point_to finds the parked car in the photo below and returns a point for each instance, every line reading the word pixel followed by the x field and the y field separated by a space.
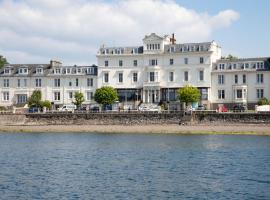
pixel 33 110
pixel 95 108
pixel 201 107
pixel 70 108
pixel 239 108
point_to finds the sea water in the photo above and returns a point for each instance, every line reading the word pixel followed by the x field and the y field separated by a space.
pixel 133 166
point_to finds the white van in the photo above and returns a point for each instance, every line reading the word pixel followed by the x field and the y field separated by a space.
pixel 69 107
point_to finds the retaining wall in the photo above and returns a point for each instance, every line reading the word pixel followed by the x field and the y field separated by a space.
pixel 229 118
pixel 104 118
pixel 132 118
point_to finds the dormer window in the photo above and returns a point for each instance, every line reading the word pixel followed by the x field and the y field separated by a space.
pixel 57 71
pixel 172 49
pixel 7 71
pixel 135 51
pixel 23 71
pixel 39 71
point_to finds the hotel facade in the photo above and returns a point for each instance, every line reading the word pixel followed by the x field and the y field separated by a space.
pixel 56 82
pixel 150 73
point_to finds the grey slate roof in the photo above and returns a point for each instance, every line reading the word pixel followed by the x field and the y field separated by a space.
pixel 47 69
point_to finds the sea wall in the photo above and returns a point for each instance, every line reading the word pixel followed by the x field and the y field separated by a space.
pixel 133 118
pixel 231 118
pixel 103 118
pixel 12 119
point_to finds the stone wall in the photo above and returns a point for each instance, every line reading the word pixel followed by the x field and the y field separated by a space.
pixel 133 118
pixel 103 118
pixel 229 118
pixel 12 119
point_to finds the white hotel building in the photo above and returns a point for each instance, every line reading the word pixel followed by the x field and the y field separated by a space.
pixel 155 71
pixel 150 73
pixel 57 83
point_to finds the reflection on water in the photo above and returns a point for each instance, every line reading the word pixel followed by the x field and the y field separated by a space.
pixel 118 166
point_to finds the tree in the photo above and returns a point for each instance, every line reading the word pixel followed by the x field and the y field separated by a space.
pixel 106 95
pixel 3 61
pixel 263 101
pixel 188 94
pixel 79 99
pixel 230 57
pixel 35 99
pixel 47 104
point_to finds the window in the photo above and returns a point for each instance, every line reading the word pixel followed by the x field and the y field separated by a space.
pixel 135 63
pixel 244 79
pixel 19 83
pixel 186 61
pixel 6 71
pixel 259 78
pixel 90 82
pixel 23 71
pixel 221 66
pixel 152 76
pixel 204 93
pixel 70 95
pixel 221 94
pixel 25 82
pixel 57 71
pixel 57 96
pixel 21 98
pixel 135 77
pixel 246 65
pixel 260 65
pixel 201 75
pixel 89 96
pixel 221 79
pixel 68 70
pixel 106 77
pixel 171 76
pixel 239 94
pixel 236 79
pixel 171 61
pixel 6 83
pixel 38 82
pixel 120 63
pixel 120 77
pixel 77 82
pixel 153 62
pixel 260 93
pixel 186 75
pixel 106 63
pixel 135 51
pixel 172 49
pixel 39 71
pixel 70 83
pixel 201 60
pixel 57 82
pixel 6 96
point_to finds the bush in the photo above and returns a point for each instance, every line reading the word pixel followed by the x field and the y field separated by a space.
pixel 263 101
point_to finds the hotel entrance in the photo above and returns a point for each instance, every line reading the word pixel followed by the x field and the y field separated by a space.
pixel 151 96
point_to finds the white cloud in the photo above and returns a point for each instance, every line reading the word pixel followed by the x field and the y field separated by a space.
pixel 74 30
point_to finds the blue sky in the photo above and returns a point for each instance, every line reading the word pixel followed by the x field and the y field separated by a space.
pixel 249 36
pixel 35 31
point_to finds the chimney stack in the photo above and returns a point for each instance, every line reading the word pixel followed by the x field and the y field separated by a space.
pixel 172 39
